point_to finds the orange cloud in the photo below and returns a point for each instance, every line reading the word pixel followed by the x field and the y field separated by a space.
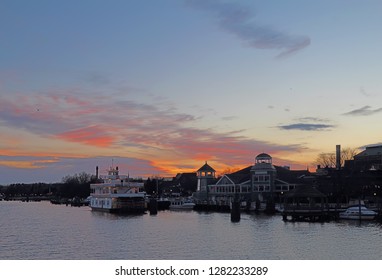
pixel 25 153
pixel 35 164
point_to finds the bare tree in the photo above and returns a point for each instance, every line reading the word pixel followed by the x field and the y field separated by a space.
pixel 229 170
pixel 348 154
pixel 329 159
pixel 326 160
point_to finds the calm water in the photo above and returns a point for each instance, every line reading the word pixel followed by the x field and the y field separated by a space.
pixel 40 230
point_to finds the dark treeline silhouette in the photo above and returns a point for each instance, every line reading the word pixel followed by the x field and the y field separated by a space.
pixel 77 185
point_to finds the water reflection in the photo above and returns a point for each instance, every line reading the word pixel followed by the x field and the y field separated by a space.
pixel 45 231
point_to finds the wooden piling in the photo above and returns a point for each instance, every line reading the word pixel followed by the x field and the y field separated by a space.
pixel 235 210
pixel 153 206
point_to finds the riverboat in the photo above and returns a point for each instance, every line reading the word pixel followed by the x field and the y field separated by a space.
pixel 117 193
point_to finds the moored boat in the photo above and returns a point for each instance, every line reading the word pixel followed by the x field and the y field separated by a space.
pixel 358 212
pixel 117 193
pixel 182 204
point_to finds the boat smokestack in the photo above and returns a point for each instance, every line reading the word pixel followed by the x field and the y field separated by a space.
pixel 338 157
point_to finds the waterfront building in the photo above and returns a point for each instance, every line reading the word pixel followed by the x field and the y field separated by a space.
pixel 260 182
pixel 368 159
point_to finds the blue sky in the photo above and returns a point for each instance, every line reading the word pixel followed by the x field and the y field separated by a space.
pixel 162 86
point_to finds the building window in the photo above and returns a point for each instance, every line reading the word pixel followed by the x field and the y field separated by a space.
pixel 261 178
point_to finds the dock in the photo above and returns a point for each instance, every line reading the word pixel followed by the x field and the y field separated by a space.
pixel 310 214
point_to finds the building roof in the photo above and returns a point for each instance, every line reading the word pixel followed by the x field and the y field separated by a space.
pixel 291 176
pixel 263 166
pixel 245 170
pixel 284 174
pixel 370 151
pixel 206 167
pixel 239 178
pixel 188 175
pixel 263 155
pixel 304 191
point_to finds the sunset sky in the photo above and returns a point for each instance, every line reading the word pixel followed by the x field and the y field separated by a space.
pixel 159 87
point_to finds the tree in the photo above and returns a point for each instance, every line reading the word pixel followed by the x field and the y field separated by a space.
pixel 229 170
pixel 329 159
pixel 76 185
pixel 326 160
pixel 348 154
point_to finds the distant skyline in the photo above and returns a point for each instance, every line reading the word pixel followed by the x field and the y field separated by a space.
pixel 161 86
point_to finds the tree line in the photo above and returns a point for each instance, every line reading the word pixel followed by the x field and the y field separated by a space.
pixel 77 185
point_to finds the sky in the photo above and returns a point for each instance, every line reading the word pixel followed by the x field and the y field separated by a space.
pixel 159 87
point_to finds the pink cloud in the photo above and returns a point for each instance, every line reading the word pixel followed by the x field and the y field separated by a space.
pixel 94 136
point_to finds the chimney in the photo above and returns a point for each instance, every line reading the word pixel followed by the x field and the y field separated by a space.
pixel 338 157
pixel 97 172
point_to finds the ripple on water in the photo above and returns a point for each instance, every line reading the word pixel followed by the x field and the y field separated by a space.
pixel 46 231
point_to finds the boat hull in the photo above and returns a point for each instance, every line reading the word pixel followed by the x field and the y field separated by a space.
pixel 118 205
pixel 119 210
pixel 357 217
pixel 186 206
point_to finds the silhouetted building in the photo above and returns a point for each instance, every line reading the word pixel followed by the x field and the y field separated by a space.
pixel 206 175
pixel 369 159
pixel 259 182
pixel 186 182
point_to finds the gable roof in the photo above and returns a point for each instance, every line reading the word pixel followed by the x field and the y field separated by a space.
pixel 206 167
pixel 239 178
pixel 223 178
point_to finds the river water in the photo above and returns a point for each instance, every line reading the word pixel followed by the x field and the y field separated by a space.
pixel 42 231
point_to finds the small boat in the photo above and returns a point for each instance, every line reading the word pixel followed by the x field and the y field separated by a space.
pixel 358 212
pixel 182 204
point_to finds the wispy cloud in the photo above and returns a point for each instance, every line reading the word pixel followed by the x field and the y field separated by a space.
pixel 306 126
pixel 229 118
pixel 313 119
pixel 364 111
pixel 23 163
pixel 364 92
pixel 239 21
